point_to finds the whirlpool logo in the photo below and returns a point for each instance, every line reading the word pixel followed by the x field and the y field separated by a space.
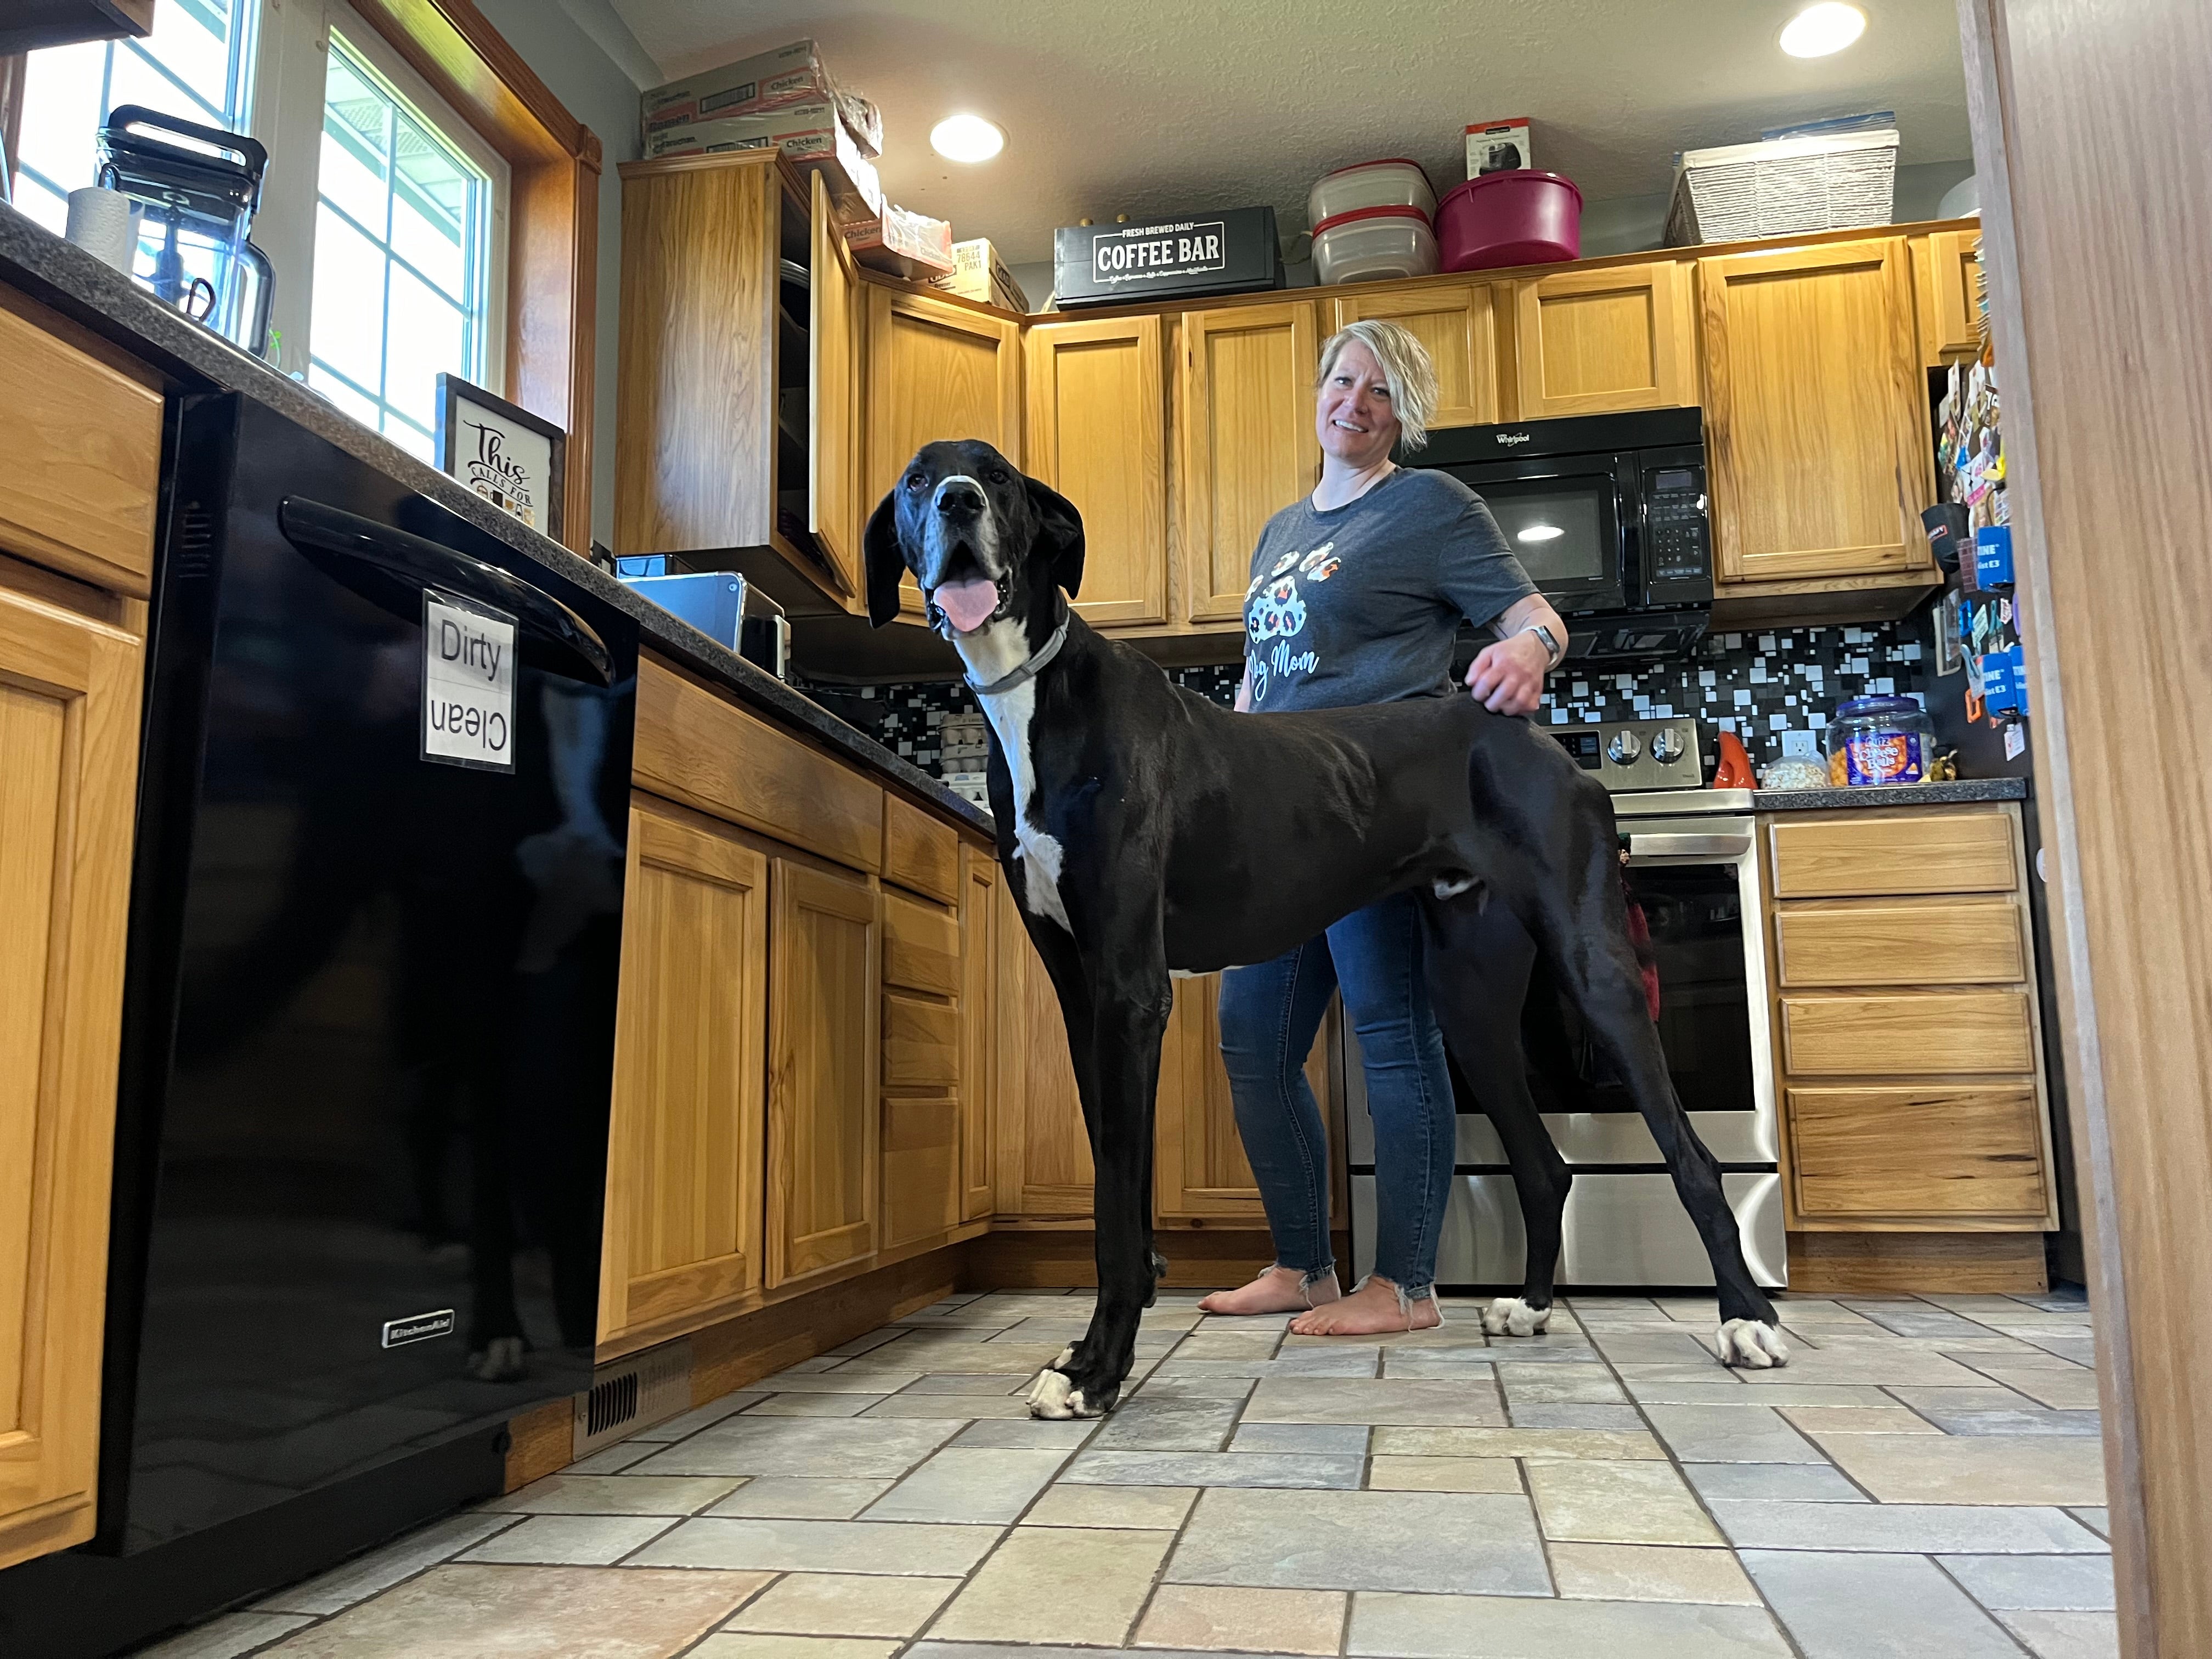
pixel 1507 440
pixel 417 1327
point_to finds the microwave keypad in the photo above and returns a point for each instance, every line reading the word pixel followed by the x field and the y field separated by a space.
pixel 1678 535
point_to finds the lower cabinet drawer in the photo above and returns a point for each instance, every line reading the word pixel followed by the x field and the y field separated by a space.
pixel 1912 1034
pixel 1912 942
pixel 921 946
pixel 1919 849
pixel 1926 1151
pixel 922 1167
pixel 921 1043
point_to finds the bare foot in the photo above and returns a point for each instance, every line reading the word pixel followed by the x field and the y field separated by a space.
pixel 1369 1310
pixel 1278 1290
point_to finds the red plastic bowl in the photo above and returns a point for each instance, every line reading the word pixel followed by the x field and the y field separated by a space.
pixel 1519 217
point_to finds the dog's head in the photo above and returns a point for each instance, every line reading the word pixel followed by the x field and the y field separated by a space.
pixel 984 543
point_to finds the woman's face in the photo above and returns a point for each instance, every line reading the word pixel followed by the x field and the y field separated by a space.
pixel 1352 416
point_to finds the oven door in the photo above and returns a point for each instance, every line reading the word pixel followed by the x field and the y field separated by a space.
pixel 1568 519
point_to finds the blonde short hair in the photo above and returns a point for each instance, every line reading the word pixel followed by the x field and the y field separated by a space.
pixel 1406 368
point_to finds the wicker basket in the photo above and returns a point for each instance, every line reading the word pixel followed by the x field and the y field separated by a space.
pixel 1778 189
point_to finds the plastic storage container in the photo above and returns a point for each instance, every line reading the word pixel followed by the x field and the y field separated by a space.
pixel 1394 182
pixel 1876 740
pixel 1368 245
pixel 1524 216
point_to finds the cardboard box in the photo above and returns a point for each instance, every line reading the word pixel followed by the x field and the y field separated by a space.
pixel 910 245
pixel 770 80
pixel 979 273
pixel 1498 146
pixel 812 135
pixel 1230 252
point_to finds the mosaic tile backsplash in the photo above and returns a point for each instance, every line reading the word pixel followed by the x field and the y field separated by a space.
pixel 1757 685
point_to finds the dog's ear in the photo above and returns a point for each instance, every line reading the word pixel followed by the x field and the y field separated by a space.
pixel 1060 527
pixel 882 564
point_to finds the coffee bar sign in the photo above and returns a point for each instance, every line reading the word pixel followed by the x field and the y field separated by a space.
pixel 1228 251
pixel 504 453
pixel 1157 251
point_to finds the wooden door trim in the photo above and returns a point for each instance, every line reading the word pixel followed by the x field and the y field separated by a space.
pixel 833 491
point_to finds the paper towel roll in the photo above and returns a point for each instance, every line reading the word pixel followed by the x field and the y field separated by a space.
pixel 100 221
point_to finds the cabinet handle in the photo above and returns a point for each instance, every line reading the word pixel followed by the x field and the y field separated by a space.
pixel 1716 847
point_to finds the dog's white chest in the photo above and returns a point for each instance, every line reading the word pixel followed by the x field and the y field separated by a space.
pixel 1041 853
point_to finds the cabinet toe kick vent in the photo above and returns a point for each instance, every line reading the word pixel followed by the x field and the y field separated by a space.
pixel 633 1394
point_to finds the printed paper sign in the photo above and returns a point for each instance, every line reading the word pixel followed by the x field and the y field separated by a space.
pixel 468 684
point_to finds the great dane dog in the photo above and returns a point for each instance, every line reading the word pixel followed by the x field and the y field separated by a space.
pixel 1145 831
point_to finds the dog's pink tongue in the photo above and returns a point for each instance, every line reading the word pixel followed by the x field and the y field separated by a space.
pixel 969 603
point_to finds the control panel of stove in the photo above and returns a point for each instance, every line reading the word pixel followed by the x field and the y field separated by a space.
pixel 1630 754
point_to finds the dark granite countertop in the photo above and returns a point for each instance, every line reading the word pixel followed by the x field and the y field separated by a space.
pixel 89 292
pixel 1961 792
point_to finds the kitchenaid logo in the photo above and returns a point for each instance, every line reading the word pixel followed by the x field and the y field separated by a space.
pixel 417 1327
pixel 1157 251
pixel 1509 439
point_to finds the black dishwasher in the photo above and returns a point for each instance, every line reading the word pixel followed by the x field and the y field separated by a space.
pixel 369 1006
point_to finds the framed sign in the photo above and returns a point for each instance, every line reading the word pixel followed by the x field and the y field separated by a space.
pixel 508 456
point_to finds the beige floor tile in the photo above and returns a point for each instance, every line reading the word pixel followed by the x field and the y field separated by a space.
pixel 365 1575
pixel 225 1637
pixel 1207 1616
pixel 1049 1584
pixel 1650 1572
pixel 801 1498
pixel 1513 1442
pixel 1443 1474
pixel 617 1494
pixel 978 1485
pixel 814 1405
pixel 731 1644
pixel 968 1406
pixel 875 1380
pixel 531 1612
pixel 1857 1420
pixel 1915 1469
pixel 1598 1502
pixel 1559 1385
pixel 1412 1401
pixel 2072 1389
pixel 844 1604
pixel 914 1549
pixel 2066 1635
pixel 1514 1627
pixel 965 1383
pixel 1112 1506
pixel 575 1540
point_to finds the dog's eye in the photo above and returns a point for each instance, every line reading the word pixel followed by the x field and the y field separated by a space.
pixel 914 481
pixel 996 475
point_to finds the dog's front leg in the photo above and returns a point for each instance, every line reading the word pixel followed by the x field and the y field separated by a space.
pixel 1128 1020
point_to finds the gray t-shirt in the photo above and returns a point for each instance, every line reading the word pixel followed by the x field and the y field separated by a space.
pixel 1359 603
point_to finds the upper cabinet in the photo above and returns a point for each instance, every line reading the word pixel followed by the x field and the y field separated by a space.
pixel 835 322
pixel 1951 296
pixel 1245 418
pixel 1098 433
pixel 1457 324
pixel 1817 442
pixel 1591 342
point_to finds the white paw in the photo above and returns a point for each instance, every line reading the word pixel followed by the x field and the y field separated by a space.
pixel 502 1360
pixel 1509 1315
pixel 1066 1354
pixel 1752 1345
pixel 1052 1396
pixel 1076 1406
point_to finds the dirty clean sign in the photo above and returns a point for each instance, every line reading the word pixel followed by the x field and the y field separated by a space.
pixel 468 684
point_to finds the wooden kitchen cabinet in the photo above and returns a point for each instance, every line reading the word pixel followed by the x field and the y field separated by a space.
pixel 980 1058
pixel 934 370
pixel 923 1051
pixel 1098 433
pixel 1595 341
pixel 1201 1173
pixel 1818 444
pixel 1043 1166
pixel 824 1145
pixel 1246 445
pixel 1950 295
pixel 684 1181
pixel 69 687
pixel 1457 324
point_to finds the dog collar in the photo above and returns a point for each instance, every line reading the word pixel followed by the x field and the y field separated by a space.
pixel 1027 672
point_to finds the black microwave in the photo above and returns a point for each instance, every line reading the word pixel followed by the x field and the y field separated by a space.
pixel 1607 513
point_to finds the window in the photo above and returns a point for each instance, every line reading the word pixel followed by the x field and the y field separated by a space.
pixel 402 257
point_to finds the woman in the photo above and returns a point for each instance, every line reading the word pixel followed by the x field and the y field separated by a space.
pixel 1357 594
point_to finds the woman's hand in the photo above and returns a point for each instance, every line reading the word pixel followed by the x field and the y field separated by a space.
pixel 1508 678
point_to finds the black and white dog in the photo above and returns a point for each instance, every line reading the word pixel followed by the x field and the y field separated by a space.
pixel 1145 831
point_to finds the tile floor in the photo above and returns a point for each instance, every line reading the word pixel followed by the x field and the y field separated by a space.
pixel 1924 1482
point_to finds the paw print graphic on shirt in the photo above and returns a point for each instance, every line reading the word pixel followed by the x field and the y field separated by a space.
pixel 1277 613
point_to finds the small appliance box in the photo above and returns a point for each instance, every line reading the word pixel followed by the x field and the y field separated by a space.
pixel 1498 146
pixel 813 135
pixel 910 245
pixel 771 80
pixel 978 273
pixel 1231 252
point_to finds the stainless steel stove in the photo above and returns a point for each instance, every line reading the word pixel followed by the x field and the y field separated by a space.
pixel 1692 866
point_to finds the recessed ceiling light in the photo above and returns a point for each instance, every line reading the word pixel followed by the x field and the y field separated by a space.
pixel 966 138
pixel 1818 30
pixel 1541 532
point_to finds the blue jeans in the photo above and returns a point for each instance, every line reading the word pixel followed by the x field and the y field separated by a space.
pixel 1269 1014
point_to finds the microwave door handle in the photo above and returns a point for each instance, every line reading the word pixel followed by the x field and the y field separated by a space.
pixel 1706 848
pixel 313 526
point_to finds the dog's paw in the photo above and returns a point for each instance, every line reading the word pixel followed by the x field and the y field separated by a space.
pixel 1752 1345
pixel 1509 1315
pixel 1052 1395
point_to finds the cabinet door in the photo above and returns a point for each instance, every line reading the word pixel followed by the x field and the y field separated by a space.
pixel 69 756
pixel 1201 1171
pixel 935 371
pixel 1098 433
pixel 824 983
pixel 1587 341
pixel 979 1063
pixel 683 1155
pixel 833 487
pixel 1247 447
pixel 1818 444
pixel 1043 1166
pixel 1455 322
pixel 1951 306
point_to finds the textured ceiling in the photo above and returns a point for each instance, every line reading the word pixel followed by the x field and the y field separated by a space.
pixel 1153 109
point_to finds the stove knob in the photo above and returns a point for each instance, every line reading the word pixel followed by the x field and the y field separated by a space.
pixel 1666 745
pixel 1624 748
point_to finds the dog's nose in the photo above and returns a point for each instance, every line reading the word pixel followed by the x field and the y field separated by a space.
pixel 959 498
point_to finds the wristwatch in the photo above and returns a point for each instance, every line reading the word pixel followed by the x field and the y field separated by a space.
pixel 1554 653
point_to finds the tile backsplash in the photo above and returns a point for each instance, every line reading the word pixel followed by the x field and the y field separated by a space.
pixel 1755 684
